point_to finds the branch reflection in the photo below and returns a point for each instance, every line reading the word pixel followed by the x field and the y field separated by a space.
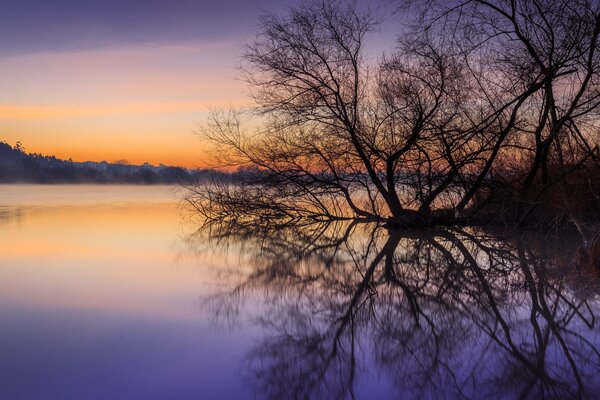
pixel 439 313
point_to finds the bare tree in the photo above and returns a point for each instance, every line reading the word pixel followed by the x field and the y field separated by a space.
pixel 534 65
pixel 423 136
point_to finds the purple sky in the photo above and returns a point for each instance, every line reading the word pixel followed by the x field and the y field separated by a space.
pixel 42 25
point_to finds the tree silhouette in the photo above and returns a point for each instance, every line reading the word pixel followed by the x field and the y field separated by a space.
pixel 482 102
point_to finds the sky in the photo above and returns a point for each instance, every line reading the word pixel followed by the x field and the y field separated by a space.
pixel 121 79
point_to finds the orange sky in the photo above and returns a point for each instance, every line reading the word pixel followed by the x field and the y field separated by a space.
pixel 120 79
pixel 140 103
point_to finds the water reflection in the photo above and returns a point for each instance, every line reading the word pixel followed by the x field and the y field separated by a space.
pixel 8 215
pixel 454 313
pixel 97 303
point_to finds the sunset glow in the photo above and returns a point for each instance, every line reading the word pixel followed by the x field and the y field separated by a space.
pixel 86 84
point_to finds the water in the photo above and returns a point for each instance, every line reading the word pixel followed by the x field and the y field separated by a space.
pixel 113 292
pixel 99 299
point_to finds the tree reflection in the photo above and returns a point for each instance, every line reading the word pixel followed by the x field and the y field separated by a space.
pixel 439 313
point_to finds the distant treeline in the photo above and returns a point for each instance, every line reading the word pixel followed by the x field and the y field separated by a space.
pixel 18 166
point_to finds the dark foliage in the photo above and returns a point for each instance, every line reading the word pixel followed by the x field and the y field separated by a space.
pixel 17 166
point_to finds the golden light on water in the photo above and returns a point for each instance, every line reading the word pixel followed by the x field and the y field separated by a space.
pixel 100 253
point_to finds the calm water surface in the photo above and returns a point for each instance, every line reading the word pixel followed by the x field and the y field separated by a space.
pixel 112 292
pixel 101 298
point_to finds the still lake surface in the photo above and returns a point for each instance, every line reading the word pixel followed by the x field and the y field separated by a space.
pixel 100 298
pixel 111 292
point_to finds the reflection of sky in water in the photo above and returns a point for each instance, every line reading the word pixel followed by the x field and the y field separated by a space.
pixel 104 294
pixel 59 353
pixel 99 300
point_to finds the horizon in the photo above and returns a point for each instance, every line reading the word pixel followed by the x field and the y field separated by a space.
pixel 24 149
